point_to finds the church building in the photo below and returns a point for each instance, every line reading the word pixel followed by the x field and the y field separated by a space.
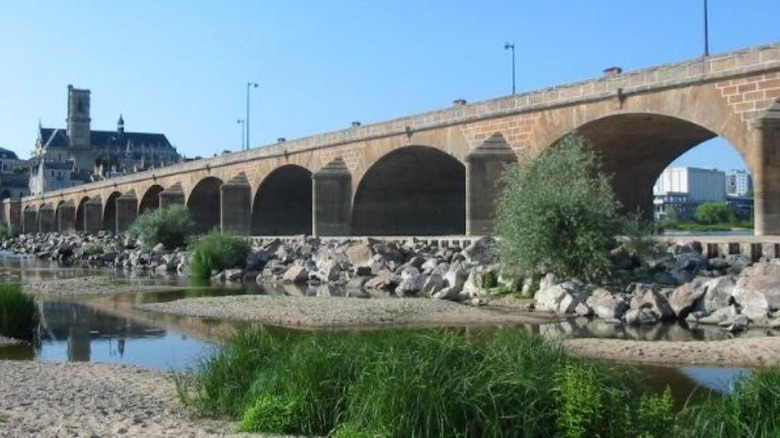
pixel 88 155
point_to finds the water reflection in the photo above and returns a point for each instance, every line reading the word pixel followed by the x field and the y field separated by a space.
pixel 76 332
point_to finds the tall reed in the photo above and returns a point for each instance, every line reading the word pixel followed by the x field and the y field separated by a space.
pixel 416 383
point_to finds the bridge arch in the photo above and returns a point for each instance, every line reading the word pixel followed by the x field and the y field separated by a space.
pixel 150 200
pixel 204 204
pixel 109 212
pixel 283 203
pixel 29 219
pixel 81 220
pixel 414 190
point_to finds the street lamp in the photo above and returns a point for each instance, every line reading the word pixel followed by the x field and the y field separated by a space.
pixel 249 86
pixel 508 46
pixel 706 31
pixel 241 124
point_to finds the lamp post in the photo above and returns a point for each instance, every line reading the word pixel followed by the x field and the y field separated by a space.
pixel 508 46
pixel 706 31
pixel 249 86
pixel 241 125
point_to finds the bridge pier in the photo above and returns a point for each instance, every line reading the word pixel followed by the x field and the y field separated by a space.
pixel 12 215
pixel 46 219
pixel 126 211
pixel 236 205
pixel 765 140
pixel 173 195
pixel 66 217
pixel 30 221
pixel 331 198
pixel 93 215
pixel 484 166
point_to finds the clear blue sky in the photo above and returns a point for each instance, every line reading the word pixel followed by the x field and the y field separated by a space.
pixel 181 67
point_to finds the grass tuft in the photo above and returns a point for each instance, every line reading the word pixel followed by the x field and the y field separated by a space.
pixel 18 313
pixel 217 251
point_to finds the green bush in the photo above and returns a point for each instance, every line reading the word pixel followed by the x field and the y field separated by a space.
pixel 715 213
pixel 639 235
pixel 557 213
pixel 217 251
pixel 170 226
pixel 415 383
pixel 5 231
pixel 18 313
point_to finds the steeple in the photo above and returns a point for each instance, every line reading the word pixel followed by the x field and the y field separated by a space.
pixel 78 123
pixel 120 125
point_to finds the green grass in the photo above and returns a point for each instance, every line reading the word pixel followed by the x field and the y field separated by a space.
pixel 217 251
pixel 412 383
pixel 18 312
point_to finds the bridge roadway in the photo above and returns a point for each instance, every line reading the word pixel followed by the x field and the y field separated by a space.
pixel 436 173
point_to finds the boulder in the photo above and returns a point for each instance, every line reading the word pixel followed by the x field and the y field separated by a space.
pixel 480 251
pixel 684 298
pixel 641 316
pixel 562 298
pixel 717 293
pixel 606 305
pixel 648 298
pixel 456 276
pixel 433 284
pixel 360 254
pixel 296 274
pixel 410 284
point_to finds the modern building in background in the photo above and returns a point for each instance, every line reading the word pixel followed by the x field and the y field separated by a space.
pixel 92 155
pixel 680 190
pixel 738 183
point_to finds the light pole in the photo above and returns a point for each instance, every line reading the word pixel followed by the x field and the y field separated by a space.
pixel 508 46
pixel 241 125
pixel 249 86
pixel 706 31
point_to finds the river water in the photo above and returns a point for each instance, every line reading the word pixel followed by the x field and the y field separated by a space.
pixel 109 329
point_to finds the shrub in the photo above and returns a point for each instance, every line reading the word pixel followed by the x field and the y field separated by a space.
pixel 169 226
pixel 5 231
pixel 715 213
pixel 639 234
pixel 557 213
pixel 217 251
pixel 18 313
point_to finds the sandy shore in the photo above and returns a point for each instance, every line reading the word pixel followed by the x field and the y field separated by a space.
pixel 89 286
pixel 5 342
pixel 94 400
pixel 328 312
pixel 739 352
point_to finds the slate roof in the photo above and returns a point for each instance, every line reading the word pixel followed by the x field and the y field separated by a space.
pixel 8 155
pixel 101 139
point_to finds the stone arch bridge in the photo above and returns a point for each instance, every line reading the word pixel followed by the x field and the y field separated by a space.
pixel 435 173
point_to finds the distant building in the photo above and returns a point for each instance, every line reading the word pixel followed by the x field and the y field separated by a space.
pixel 13 175
pixel 682 189
pixel 91 154
pixel 738 182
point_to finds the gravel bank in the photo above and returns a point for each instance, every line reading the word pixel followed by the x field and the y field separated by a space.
pixel 331 312
pixel 94 400
pixel 94 285
pixel 739 352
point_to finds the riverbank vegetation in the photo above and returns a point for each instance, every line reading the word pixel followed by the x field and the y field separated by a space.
pixel 18 313
pixel 433 383
pixel 217 251
pixel 454 383
pixel 171 226
pixel 557 213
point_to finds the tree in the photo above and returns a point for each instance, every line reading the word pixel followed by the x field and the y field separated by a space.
pixel 557 213
pixel 715 213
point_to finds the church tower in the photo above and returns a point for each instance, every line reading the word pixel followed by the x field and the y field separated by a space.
pixel 78 123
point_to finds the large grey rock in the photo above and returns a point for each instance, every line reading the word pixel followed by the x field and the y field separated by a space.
pixel 562 298
pixel 641 316
pixel 685 298
pixel 411 283
pixel 296 274
pixel 433 284
pixel 717 293
pixel 359 254
pixel 648 298
pixel 606 305
pixel 480 251
pixel 456 276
